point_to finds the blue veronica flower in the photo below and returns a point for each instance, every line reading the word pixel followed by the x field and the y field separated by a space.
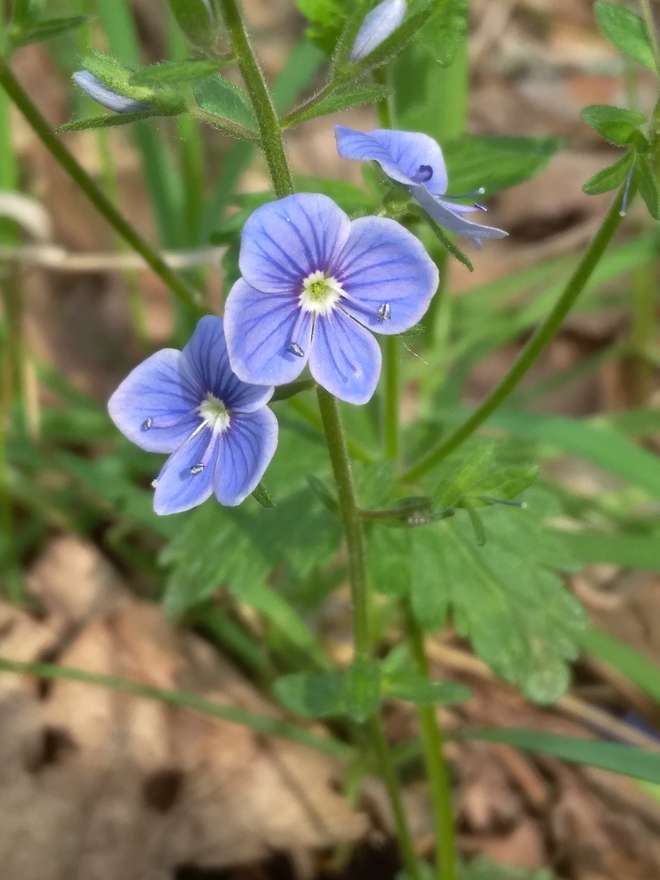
pixel 219 432
pixel 416 161
pixel 377 26
pixel 314 284
pixel 104 95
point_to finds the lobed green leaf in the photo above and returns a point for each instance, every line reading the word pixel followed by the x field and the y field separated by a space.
pixel 611 177
pixel 626 30
pixel 616 124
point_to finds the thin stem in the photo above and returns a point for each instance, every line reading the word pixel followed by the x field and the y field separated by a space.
pixel 341 467
pixel 536 345
pixel 436 766
pixel 78 174
pixel 391 352
pixel 269 124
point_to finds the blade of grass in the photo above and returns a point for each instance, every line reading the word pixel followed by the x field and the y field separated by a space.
pixel 626 660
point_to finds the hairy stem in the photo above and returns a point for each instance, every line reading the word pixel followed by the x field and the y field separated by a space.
pixel 536 345
pixel 269 124
pixel 436 766
pixel 78 174
pixel 272 143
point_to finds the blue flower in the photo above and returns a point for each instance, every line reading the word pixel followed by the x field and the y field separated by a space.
pixel 377 26
pixel 219 432
pixel 416 161
pixel 314 284
pixel 105 96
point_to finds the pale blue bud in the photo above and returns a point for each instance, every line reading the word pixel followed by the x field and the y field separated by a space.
pixel 377 27
pixel 104 95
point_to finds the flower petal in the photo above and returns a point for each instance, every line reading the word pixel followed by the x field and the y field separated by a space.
pixel 207 359
pixel 104 95
pixel 186 479
pixel 451 217
pixel 377 26
pixel 285 241
pixel 408 157
pixel 246 450
pixel 345 357
pixel 388 277
pixel 156 404
pixel 260 327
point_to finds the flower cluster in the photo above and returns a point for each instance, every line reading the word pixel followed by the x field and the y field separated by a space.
pixel 315 287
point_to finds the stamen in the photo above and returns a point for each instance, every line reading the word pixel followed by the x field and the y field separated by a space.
pixel 147 424
pixel 424 174
pixel 461 197
pixel 385 312
pixel 626 194
pixel 197 469
pixel 294 348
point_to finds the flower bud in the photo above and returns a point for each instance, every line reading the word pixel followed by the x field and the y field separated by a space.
pixel 377 26
pixel 104 95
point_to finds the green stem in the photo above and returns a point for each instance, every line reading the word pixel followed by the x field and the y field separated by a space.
pixel 649 19
pixel 269 124
pixel 436 766
pixel 391 352
pixel 536 345
pixel 78 174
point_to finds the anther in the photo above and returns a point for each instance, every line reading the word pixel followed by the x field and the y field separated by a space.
pixel 147 424
pixel 197 469
pixel 294 348
pixel 385 312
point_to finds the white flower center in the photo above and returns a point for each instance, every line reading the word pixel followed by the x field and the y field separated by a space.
pixel 320 293
pixel 214 413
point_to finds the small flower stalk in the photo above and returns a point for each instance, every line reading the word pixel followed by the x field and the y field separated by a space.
pixel 315 286
pixel 377 26
pixel 217 430
pixel 416 161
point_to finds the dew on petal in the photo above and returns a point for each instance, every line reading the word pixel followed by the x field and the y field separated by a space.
pixel 385 312
pixel 197 469
pixel 294 348
pixel 147 424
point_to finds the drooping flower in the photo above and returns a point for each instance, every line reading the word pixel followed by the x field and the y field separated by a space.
pixel 105 96
pixel 314 285
pixel 218 430
pixel 416 161
pixel 377 26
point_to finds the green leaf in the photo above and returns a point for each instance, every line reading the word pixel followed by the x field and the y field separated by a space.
pixel 197 20
pixel 362 690
pixel 174 72
pixel 626 31
pixel 639 669
pixel 46 30
pixel 611 177
pixel 313 694
pixel 262 496
pixel 108 120
pixel 326 19
pixel 640 552
pixel 616 124
pixel 496 162
pixel 647 178
pixel 625 760
pixel 416 689
pixel 481 473
pixel 505 596
pixel 220 98
pixel 484 869
pixel 446 30
pixel 27 11
pixel 336 101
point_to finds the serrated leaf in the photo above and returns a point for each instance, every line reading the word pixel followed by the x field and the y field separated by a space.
pixel 609 178
pixel 312 694
pixel 219 97
pixel 46 30
pixel 174 72
pixel 647 179
pixel 342 99
pixel 626 30
pixel 496 162
pixel 481 473
pixel 616 124
pixel 111 120
pixel 505 596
